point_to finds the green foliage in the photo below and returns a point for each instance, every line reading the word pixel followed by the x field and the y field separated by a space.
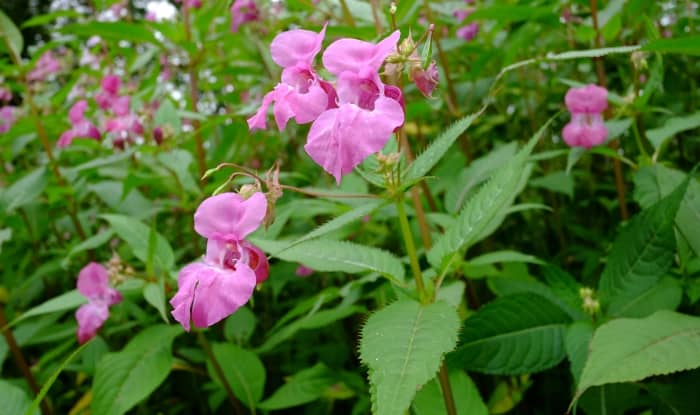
pixel 305 386
pixel 243 370
pixel 139 237
pixel 125 378
pixel 641 254
pixel 12 40
pixel 429 400
pixel 520 333
pixel 13 399
pixel 628 350
pixel 402 345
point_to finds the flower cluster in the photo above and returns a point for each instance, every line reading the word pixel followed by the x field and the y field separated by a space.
pixel 586 105
pixel 7 112
pixel 93 283
pixel 352 118
pixel 215 288
pixel 122 124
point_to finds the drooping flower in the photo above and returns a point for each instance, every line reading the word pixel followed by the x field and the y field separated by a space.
pixel 368 111
pixel 243 11
pixel 7 118
pixel 5 94
pixel 302 94
pixel 303 271
pixel 425 79
pixel 80 127
pixel 125 124
pixel 215 288
pixel 469 31
pixel 93 283
pixel 46 65
pixel 586 105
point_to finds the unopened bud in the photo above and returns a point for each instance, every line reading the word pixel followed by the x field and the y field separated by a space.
pixel 248 190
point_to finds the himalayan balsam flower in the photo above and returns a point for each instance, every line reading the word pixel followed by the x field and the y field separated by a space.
pixel 469 31
pixel 93 283
pixel 5 94
pixel 81 127
pixel 586 105
pixel 243 11
pixel 109 91
pixel 425 79
pixel 301 95
pixel 303 271
pixel 7 118
pixel 215 288
pixel 45 66
pixel 368 111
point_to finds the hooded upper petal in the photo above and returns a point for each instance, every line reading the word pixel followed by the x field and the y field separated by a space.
pixel 587 99
pixel 93 281
pixel 77 111
pixel 296 46
pixel 353 55
pixel 229 217
pixel 585 130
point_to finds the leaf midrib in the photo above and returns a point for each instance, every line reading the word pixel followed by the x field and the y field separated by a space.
pixel 515 333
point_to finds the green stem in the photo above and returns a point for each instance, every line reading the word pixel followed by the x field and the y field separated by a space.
pixel 347 14
pixel 411 249
pixel 447 390
pixel 220 374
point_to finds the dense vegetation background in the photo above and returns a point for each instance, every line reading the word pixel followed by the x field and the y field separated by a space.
pixel 478 264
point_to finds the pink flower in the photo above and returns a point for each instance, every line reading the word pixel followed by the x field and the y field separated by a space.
pixel 303 271
pixel 586 128
pixel 368 111
pixel 125 124
pixel 80 126
pixel 243 11
pixel 45 66
pixel 7 118
pixel 110 91
pixel 587 99
pixel 469 31
pixel 462 14
pixel 93 283
pixel 5 94
pixel 425 79
pixel 301 95
pixel 211 290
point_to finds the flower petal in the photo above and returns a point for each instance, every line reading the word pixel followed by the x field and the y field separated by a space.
pixel 91 317
pixel 342 138
pixel 229 217
pixel 354 55
pixel 219 293
pixel 296 46
pixel 183 299
pixel 587 99
pixel 93 281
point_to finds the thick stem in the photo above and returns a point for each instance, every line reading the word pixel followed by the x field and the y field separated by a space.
pixel 347 14
pixel 614 144
pixel 411 249
pixel 375 17
pixel 220 374
pixel 415 195
pixel 447 390
pixel 21 361
pixel 194 96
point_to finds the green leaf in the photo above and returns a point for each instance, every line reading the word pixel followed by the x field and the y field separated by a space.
pixel 341 256
pixel 655 182
pixel 313 320
pixel 591 53
pixel 672 126
pixel 508 14
pixel 403 345
pixel 43 19
pixel 115 31
pixel 13 400
pixel 125 378
pixel 504 256
pixel 154 294
pixel 426 160
pixel 516 334
pixel 239 326
pixel 304 387
pixel 488 205
pixel 178 161
pixel 641 254
pixel 167 115
pixel 559 182
pixel 666 295
pixel 33 409
pixel 66 301
pixel 477 172
pixel 578 337
pixel 629 350
pixel 12 39
pixel 24 191
pixel 336 223
pixel 429 400
pixel 136 234
pixel 689 45
pixel 243 370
